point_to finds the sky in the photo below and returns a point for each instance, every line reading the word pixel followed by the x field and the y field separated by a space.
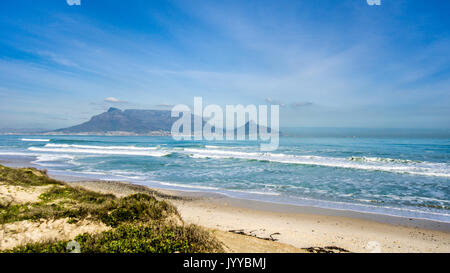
pixel 327 63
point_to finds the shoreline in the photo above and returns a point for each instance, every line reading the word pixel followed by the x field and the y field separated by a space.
pixel 242 199
pixel 374 199
pixel 298 226
pixel 300 229
pixel 274 207
pixel 249 203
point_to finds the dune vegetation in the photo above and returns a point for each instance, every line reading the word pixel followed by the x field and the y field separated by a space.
pixel 137 223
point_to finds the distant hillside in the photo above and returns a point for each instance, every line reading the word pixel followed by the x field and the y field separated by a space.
pixel 24 131
pixel 139 122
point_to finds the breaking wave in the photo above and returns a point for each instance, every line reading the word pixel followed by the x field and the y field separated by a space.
pixel 361 163
pixel 35 139
pixel 101 150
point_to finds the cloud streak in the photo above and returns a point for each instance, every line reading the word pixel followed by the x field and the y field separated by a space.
pixel 301 104
pixel 114 100
pixel 73 2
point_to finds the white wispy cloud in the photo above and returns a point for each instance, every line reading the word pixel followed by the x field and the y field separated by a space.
pixel 74 2
pixel 114 100
pixel 56 58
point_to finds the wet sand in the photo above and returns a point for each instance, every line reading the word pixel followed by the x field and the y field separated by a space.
pixel 300 227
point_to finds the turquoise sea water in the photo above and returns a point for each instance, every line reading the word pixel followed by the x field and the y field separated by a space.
pixel 394 175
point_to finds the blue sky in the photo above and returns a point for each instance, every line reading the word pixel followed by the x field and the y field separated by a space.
pixel 329 63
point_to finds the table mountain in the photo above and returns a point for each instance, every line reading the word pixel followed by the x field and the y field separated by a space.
pixel 130 121
pixel 136 121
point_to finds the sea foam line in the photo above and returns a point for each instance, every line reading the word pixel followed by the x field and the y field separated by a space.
pixel 36 139
pixel 51 145
pixel 100 152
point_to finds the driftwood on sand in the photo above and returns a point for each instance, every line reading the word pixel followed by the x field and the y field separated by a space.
pixel 252 234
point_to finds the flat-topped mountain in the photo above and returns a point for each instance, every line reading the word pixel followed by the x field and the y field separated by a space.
pixel 116 120
pixel 131 121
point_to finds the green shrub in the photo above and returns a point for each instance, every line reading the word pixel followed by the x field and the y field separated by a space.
pixel 111 211
pixel 75 193
pixel 156 237
pixel 139 221
pixel 26 177
pixel 136 207
pixel 46 247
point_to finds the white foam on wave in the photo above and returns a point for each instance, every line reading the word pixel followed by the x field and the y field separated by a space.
pixel 198 187
pixel 378 164
pixel 98 151
pixel 383 159
pixel 227 147
pixel 220 153
pixel 256 192
pixel 42 158
pixel 35 139
pixel 135 148
pixel 113 174
pixel 187 186
pixel 18 154
pixel 212 146
pixel 53 157
pixel 373 209
pixel 49 160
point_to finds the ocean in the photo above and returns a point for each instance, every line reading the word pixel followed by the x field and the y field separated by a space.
pixel 400 174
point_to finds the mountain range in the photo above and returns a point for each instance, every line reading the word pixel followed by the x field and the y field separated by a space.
pixel 131 121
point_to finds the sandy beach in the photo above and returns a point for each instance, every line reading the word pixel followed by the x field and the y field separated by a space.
pixel 294 228
pixel 255 226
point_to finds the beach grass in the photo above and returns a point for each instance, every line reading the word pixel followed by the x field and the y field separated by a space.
pixel 138 222
pixel 152 237
pixel 26 177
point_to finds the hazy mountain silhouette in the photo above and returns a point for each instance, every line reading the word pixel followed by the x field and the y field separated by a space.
pixel 136 121
pixel 132 121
